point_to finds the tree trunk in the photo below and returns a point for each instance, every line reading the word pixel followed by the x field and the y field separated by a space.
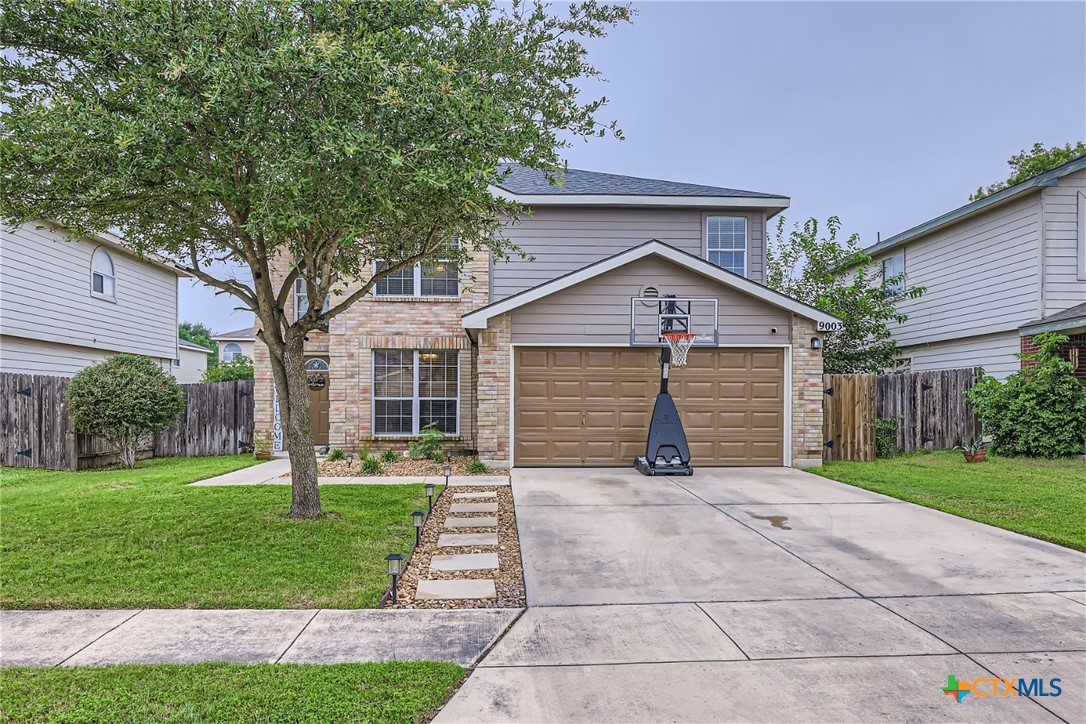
pixel 305 497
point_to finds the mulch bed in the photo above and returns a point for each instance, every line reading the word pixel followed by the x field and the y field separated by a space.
pixel 402 466
pixel 509 581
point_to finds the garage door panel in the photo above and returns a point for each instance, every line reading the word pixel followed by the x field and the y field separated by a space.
pixel 598 403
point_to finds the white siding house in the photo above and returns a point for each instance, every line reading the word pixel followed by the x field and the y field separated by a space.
pixel 236 342
pixel 67 303
pixel 989 268
pixel 191 362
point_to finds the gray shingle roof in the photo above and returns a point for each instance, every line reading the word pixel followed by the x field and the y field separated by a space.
pixel 185 344
pixel 1071 314
pixel 528 181
pixel 244 333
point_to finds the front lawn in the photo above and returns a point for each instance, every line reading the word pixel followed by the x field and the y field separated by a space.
pixel 143 538
pixel 379 693
pixel 1045 499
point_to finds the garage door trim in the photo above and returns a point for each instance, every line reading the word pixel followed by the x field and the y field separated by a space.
pixel 787 374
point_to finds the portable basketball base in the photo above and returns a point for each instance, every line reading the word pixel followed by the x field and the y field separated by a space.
pixel 666 450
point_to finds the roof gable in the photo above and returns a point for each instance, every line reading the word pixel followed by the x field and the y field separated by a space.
pixel 479 318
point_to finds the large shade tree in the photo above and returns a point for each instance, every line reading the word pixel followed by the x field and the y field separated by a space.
pixel 326 134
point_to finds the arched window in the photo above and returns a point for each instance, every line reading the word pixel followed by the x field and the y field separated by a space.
pixel 230 351
pixel 102 279
pixel 316 365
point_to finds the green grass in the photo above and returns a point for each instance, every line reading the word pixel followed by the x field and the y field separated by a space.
pixel 379 693
pixel 1044 499
pixel 143 538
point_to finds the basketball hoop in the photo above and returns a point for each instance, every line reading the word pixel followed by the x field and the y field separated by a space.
pixel 680 343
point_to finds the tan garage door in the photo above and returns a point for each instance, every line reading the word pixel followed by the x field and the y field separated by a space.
pixel 592 406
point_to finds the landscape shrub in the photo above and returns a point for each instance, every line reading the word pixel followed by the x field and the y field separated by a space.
pixel 885 437
pixel 336 454
pixel 1040 411
pixel 431 444
pixel 388 456
pixel 371 465
pixel 125 400
pixel 239 368
pixel 477 467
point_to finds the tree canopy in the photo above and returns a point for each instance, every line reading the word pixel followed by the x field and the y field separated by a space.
pixel 326 135
pixel 842 280
pixel 1027 164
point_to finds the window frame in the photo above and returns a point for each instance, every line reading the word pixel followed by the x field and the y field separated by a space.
pixel 112 276
pixel 706 219
pixel 898 254
pixel 228 356
pixel 300 292
pixel 415 399
pixel 416 280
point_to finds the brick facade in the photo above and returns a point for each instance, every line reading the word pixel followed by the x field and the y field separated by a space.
pixel 416 323
pixel 807 434
pixel 1074 351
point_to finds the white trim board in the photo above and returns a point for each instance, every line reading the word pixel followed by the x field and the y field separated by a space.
pixel 481 317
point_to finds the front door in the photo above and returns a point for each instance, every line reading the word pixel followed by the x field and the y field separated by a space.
pixel 316 379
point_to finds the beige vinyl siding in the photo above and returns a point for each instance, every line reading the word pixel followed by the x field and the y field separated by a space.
pixel 35 357
pixel 45 294
pixel 193 366
pixel 561 240
pixel 597 311
pixel 982 276
pixel 1064 282
pixel 994 352
pixel 247 347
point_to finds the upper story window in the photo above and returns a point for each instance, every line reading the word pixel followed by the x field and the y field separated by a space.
pixel 301 299
pixel 103 281
pixel 726 242
pixel 230 351
pixel 440 278
pixel 893 274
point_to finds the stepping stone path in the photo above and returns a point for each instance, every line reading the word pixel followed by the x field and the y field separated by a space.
pixel 453 589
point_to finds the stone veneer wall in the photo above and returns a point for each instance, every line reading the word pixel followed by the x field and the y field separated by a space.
pixel 493 372
pixel 382 323
pixel 806 395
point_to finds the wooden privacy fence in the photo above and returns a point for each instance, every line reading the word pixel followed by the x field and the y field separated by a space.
pixel 930 409
pixel 36 424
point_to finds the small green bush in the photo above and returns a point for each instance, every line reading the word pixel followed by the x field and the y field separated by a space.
pixel 125 399
pixel 239 368
pixel 1040 411
pixel 885 437
pixel 335 455
pixel 477 467
pixel 431 444
pixel 388 456
pixel 370 465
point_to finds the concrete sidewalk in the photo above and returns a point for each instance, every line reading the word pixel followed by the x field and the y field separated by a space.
pixel 277 472
pixel 251 636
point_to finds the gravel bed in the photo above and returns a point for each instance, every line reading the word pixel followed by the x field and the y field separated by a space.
pixel 509 581
pixel 402 466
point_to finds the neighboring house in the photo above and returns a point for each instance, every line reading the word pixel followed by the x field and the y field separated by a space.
pixel 69 302
pixel 533 362
pixel 996 271
pixel 191 362
pixel 238 343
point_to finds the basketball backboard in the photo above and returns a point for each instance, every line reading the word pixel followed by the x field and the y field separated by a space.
pixel 651 316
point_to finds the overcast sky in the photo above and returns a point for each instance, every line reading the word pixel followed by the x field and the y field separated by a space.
pixel 885 114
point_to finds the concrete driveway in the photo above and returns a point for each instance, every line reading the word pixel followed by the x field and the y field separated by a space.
pixel 773 595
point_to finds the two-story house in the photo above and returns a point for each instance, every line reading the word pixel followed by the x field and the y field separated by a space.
pixel 551 360
pixel 235 343
pixel 68 302
pixel 996 271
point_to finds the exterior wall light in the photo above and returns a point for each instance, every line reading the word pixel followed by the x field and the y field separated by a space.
pixel 395 568
pixel 816 343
